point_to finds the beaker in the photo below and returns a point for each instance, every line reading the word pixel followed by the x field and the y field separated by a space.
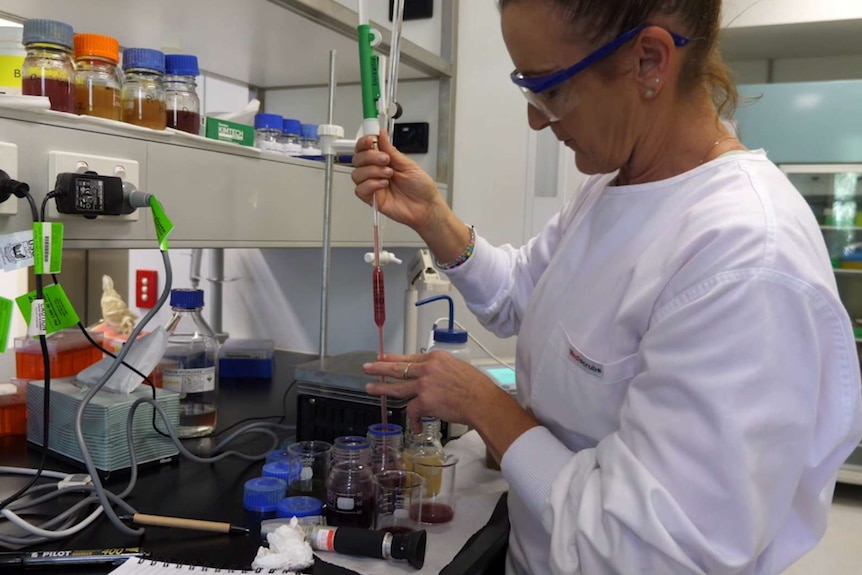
pixel 438 500
pixel 313 458
pixel 398 501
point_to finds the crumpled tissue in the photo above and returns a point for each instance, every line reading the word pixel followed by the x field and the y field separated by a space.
pixel 287 549
pixel 144 355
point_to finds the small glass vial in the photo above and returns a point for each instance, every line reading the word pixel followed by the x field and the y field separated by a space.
pixel 48 69
pixel 183 104
pixel 310 141
pixel 267 131
pixel 143 94
pixel 349 486
pixel 97 79
pixel 291 138
pixel 189 363
pixel 387 443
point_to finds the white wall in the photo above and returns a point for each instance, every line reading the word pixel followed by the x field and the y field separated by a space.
pixel 848 67
pixel 425 33
pixel 744 13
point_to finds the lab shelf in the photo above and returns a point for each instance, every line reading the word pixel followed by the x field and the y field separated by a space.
pixel 218 195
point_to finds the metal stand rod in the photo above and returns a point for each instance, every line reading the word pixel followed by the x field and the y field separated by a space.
pixel 327 220
pixel 216 303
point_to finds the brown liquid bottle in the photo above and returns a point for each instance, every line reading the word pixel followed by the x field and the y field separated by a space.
pixel 183 103
pixel 48 69
pixel 143 95
pixel 97 84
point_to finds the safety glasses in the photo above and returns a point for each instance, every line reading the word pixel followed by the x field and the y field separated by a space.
pixel 546 92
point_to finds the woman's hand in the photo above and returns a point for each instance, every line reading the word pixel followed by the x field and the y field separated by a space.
pixel 404 191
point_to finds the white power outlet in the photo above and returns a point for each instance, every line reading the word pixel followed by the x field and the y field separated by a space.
pixel 61 162
pixel 9 164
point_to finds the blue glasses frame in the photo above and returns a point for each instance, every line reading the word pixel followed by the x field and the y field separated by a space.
pixel 537 84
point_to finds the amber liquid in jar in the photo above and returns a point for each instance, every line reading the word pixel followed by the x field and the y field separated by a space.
pixel 13 419
pixel 100 101
pixel 185 121
pixel 59 92
pixel 145 112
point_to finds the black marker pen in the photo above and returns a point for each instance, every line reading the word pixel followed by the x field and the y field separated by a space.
pixel 109 556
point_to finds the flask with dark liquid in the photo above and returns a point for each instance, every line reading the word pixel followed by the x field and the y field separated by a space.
pixel 183 104
pixel 143 94
pixel 97 81
pixel 48 69
pixel 349 487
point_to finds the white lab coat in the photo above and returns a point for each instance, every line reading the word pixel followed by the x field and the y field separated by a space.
pixel 684 347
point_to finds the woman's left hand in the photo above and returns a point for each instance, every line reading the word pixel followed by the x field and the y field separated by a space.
pixel 437 384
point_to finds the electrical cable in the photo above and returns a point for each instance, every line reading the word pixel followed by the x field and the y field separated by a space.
pixel 476 341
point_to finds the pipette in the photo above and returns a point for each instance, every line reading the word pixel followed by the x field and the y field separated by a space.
pixel 368 69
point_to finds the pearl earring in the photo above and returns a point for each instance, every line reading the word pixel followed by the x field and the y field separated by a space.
pixel 650 93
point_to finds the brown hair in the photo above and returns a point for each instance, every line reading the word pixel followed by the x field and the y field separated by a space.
pixel 603 20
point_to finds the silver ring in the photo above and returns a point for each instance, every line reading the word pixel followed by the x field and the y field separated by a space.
pixel 406 373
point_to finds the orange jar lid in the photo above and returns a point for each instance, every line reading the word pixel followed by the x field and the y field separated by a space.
pixel 98 46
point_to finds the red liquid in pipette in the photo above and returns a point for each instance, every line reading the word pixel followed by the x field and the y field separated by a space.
pixel 378 293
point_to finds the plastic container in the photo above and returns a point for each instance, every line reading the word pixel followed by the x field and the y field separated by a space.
pixel 350 486
pixel 387 443
pixel 48 69
pixel 307 510
pixel 262 494
pixel 13 407
pixel 183 104
pixel 12 55
pixel 69 353
pixel 97 78
pixel 242 359
pixel 189 363
pixel 310 140
pixel 267 131
pixel 291 137
pixel 283 470
pixel 143 94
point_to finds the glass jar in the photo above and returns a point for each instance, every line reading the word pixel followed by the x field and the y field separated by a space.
pixel 349 486
pixel 189 363
pixel 183 104
pixel 48 69
pixel 267 131
pixel 387 443
pixel 291 137
pixel 97 79
pixel 310 140
pixel 426 446
pixel 143 94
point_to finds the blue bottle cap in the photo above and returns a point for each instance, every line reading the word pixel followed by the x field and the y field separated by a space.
pixel 444 335
pixel 143 58
pixel 267 122
pixel 351 442
pixel 299 507
pixel 309 131
pixel 292 127
pixel 48 32
pixel 278 455
pixel 390 430
pixel 187 298
pixel 287 470
pixel 181 65
pixel 262 494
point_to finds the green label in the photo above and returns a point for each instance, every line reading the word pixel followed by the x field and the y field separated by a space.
pixel 47 247
pixel 59 313
pixel 6 308
pixel 164 225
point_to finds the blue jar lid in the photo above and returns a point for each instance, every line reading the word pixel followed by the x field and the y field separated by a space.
pixel 292 127
pixel 309 131
pixel 287 470
pixel 262 494
pixel 48 32
pixel 181 65
pixel 187 298
pixel 143 58
pixel 278 455
pixel 351 442
pixel 390 430
pixel 445 336
pixel 299 506
pixel 267 121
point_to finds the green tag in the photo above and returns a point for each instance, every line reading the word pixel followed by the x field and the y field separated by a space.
pixel 6 308
pixel 164 225
pixel 47 247
pixel 59 313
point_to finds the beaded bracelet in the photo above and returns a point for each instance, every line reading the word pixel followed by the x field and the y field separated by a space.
pixel 465 255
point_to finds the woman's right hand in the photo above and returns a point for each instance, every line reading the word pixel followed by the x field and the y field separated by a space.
pixel 404 191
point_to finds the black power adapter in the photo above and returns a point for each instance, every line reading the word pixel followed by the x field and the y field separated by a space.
pixel 89 194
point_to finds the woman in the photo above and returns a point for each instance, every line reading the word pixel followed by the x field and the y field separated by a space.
pixel 687 377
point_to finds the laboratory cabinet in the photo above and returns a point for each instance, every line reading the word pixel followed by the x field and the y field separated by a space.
pixel 217 194
pixel 834 193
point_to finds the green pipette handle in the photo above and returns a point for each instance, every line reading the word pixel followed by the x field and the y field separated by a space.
pixel 368 71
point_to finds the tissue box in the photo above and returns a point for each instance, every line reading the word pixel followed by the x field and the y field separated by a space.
pixel 225 131
pixel 246 359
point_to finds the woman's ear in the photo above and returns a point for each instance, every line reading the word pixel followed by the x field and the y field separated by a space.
pixel 654 51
